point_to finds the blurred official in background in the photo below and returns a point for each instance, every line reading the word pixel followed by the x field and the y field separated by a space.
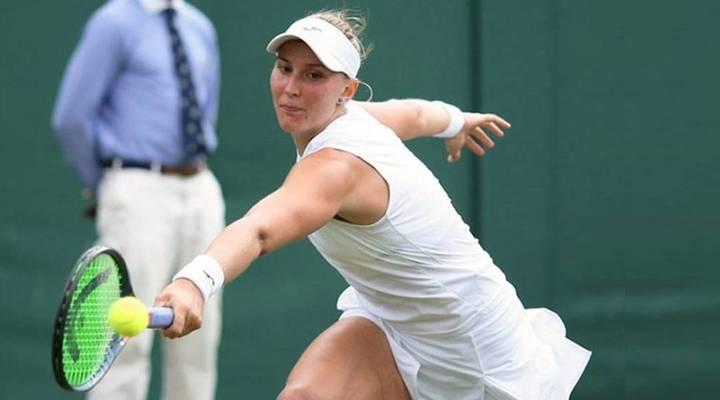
pixel 135 118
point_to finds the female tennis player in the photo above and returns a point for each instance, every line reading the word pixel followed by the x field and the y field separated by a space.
pixel 427 314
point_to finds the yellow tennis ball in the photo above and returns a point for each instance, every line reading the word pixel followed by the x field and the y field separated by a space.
pixel 128 316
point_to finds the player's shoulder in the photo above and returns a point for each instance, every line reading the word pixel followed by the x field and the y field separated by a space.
pixel 330 165
pixel 358 114
pixel 360 126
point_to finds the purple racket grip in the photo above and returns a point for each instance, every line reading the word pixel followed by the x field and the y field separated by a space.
pixel 160 317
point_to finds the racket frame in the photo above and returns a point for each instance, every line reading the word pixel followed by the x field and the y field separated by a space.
pixel 115 345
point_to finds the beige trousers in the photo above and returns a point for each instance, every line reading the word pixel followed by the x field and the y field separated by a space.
pixel 159 223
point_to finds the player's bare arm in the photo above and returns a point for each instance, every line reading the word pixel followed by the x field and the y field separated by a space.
pixel 408 118
pixel 413 118
pixel 315 190
pixel 313 193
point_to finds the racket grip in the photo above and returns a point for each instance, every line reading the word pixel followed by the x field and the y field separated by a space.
pixel 160 317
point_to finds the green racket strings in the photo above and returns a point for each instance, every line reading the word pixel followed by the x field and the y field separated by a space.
pixel 88 336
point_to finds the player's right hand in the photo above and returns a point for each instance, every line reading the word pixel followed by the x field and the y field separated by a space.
pixel 187 303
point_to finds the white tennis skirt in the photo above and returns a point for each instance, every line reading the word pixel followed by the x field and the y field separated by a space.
pixel 512 353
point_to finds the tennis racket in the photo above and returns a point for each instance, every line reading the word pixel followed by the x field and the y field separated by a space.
pixel 84 346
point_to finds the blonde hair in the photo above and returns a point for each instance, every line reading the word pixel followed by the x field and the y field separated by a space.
pixel 350 23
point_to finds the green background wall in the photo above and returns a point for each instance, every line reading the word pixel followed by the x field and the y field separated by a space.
pixel 600 203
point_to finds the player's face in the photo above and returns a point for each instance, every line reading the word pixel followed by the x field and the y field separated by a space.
pixel 305 93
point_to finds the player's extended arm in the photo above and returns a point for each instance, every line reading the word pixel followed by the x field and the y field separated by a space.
pixel 312 194
pixel 412 118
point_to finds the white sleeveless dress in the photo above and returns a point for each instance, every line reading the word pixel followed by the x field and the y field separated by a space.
pixel 455 325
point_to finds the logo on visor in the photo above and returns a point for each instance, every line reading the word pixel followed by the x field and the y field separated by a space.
pixel 312 28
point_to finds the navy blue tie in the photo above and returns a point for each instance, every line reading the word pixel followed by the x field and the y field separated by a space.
pixel 190 114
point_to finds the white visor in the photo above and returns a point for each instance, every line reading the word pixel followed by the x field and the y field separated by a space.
pixel 325 40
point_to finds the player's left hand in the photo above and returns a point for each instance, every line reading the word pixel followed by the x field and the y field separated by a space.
pixel 474 136
pixel 187 303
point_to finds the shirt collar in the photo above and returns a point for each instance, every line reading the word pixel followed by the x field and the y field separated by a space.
pixel 156 6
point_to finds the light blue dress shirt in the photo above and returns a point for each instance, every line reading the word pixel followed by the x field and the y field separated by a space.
pixel 119 97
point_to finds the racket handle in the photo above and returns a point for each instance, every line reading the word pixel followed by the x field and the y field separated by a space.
pixel 160 317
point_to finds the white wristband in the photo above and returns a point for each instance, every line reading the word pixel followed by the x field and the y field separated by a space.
pixel 457 121
pixel 205 272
